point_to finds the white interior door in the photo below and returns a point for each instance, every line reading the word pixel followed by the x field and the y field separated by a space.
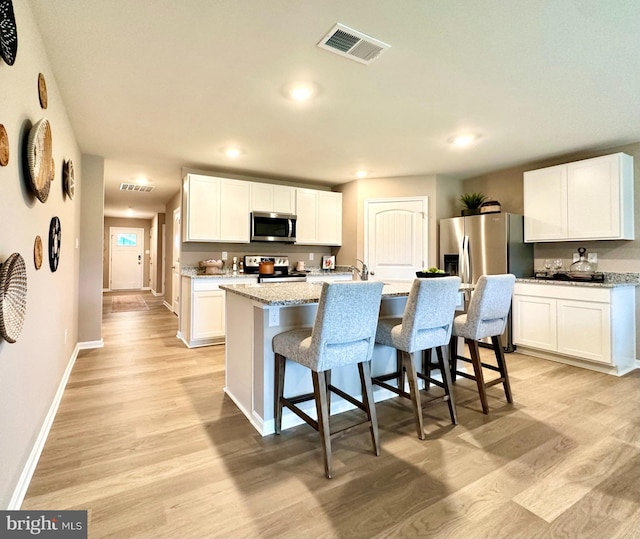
pixel 396 239
pixel 175 263
pixel 126 267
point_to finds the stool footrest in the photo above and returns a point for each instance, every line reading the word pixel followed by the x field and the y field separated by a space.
pixel 347 397
pixel 378 381
pixel 305 417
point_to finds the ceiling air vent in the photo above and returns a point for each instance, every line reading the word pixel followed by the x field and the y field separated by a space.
pixel 352 44
pixel 136 187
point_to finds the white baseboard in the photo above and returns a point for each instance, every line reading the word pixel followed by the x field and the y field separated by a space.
pixel 89 345
pixel 168 306
pixel 30 467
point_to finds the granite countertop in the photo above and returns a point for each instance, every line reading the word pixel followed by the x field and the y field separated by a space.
pixel 279 294
pixel 611 280
pixel 195 272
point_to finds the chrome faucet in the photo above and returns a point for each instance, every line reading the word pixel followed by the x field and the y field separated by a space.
pixel 364 274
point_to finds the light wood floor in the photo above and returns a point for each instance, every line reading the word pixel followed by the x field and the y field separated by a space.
pixel 146 440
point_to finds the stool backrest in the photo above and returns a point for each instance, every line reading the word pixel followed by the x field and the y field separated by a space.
pixel 489 306
pixel 344 330
pixel 428 313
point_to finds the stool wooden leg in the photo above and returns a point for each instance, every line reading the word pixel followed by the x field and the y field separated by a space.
pixel 502 365
pixel 446 380
pixel 320 392
pixel 453 356
pixel 327 378
pixel 415 393
pixel 477 370
pixel 364 369
pixel 278 393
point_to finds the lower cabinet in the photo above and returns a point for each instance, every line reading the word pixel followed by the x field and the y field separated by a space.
pixel 586 326
pixel 202 309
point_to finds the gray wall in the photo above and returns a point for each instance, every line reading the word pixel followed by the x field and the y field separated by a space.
pixel 90 305
pixel 31 369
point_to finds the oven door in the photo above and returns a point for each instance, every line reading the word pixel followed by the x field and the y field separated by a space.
pixel 273 227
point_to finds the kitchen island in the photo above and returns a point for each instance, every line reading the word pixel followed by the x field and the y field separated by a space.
pixel 255 314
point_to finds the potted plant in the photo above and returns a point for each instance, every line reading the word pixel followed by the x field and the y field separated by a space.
pixel 472 203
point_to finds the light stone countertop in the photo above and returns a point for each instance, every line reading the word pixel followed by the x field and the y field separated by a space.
pixel 612 280
pixel 279 294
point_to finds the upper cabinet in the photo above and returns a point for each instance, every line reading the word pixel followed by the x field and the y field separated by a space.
pixel 216 209
pixel 273 198
pixel 319 217
pixel 584 200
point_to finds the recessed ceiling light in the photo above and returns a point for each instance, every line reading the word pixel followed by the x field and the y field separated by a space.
pixel 232 152
pixel 142 180
pixel 130 212
pixel 464 139
pixel 361 174
pixel 300 91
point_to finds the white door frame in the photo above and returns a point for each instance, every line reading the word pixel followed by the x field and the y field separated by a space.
pixel 175 261
pixel 425 222
pixel 140 232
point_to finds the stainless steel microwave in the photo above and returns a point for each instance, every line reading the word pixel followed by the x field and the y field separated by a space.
pixel 266 226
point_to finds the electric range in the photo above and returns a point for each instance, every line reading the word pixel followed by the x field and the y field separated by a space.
pixel 281 273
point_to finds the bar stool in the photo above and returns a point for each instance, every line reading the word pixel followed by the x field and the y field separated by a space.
pixel 343 333
pixel 485 317
pixel 425 324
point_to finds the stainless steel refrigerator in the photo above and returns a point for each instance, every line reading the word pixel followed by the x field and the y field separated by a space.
pixel 487 244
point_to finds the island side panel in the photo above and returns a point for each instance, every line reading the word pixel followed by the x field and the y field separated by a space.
pixel 239 352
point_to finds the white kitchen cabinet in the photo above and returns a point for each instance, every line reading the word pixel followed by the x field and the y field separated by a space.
pixel 319 217
pixel 216 209
pixel 590 199
pixel 202 310
pixel 234 211
pixel 586 326
pixel 202 204
pixel 273 198
pixel 534 322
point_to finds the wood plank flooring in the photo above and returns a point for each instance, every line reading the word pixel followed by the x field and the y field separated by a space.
pixel 146 440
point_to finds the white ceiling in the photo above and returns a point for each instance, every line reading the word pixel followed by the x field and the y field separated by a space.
pixel 157 85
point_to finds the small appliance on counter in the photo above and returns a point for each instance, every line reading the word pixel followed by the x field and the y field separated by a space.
pixel 271 269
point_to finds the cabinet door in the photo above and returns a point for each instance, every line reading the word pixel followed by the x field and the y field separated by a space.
pixel 593 195
pixel 329 218
pixel 234 211
pixel 208 315
pixel 534 322
pixel 284 199
pixel 203 208
pixel 584 330
pixel 545 204
pixel 261 197
pixel 307 212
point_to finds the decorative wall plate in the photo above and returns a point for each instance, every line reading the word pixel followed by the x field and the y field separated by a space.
pixel 68 179
pixel 13 297
pixel 42 91
pixel 4 147
pixel 8 32
pixel 39 157
pixel 37 252
pixel 55 233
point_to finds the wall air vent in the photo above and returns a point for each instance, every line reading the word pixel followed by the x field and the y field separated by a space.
pixel 136 187
pixel 352 44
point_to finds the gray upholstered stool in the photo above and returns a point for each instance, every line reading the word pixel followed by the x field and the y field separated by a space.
pixel 343 333
pixel 425 324
pixel 485 317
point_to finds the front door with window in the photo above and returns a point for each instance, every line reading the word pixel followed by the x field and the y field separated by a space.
pixel 126 262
